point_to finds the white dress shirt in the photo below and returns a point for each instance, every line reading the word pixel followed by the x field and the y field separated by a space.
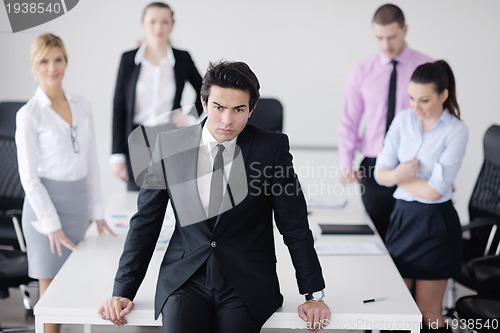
pixel 440 151
pixel 155 87
pixel 45 150
pixel 206 155
pixel 155 93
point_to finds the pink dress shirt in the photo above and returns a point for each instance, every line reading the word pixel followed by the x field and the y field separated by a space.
pixel 366 97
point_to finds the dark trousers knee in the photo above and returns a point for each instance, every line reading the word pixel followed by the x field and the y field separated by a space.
pixel 378 200
pixel 197 307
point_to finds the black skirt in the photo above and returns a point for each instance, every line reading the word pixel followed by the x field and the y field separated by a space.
pixel 425 240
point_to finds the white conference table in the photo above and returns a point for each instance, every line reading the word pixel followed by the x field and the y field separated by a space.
pixel 86 280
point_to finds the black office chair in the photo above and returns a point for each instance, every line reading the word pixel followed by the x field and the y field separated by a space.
pixel 11 191
pixel 13 260
pixel 484 211
pixel 268 115
pixel 14 274
pixel 484 308
pixel 482 234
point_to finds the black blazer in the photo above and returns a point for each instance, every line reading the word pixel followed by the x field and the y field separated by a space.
pixel 124 100
pixel 244 234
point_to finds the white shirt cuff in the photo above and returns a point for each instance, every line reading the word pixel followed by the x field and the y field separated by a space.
pixel 117 158
pixel 47 224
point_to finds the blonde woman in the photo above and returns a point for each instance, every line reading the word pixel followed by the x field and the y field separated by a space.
pixel 58 167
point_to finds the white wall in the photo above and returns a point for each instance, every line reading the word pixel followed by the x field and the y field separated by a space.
pixel 301 51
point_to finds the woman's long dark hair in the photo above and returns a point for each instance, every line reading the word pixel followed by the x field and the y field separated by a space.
pixel 440 74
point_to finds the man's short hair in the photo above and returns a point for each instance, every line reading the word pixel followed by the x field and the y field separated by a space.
pixel 235 75
pixel 389 13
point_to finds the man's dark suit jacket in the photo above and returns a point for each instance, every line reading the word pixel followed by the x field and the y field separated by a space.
pixel 244 234
pixel 124 100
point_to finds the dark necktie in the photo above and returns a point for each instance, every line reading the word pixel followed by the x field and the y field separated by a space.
pixel 215 277
pixel 216 186
pixel 391 102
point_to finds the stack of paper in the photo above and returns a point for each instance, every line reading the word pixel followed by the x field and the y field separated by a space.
pixel 330 203
pixel 348 248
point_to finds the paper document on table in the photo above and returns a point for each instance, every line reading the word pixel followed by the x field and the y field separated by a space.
pixel 119 219
pixel 334 204
pixel 348 249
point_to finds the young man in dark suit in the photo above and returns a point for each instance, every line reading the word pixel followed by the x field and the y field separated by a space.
pixel 225 179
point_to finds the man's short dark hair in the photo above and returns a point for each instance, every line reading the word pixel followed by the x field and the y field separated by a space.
pixel 389 13
pixel 235 75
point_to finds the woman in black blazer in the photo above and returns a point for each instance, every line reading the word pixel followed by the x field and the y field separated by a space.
pixel 150 82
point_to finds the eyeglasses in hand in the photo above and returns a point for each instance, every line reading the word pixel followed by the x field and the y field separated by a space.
pixel 74 142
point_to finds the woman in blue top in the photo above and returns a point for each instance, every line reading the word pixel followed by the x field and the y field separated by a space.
pixel 422 153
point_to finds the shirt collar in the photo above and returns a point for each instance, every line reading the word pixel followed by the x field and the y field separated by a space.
pixel 402 57
pixel 446 116
pixel 44 100
pixel 168 60
pixel 208 141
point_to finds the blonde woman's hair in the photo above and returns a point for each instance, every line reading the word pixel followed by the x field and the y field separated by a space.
pixel 41 46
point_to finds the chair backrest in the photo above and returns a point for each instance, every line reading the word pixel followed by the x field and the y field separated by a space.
pixel 268 115
pixel 11 191
pixel 8 111
pixel 485 198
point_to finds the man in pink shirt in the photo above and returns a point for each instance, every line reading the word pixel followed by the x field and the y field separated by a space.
pixel 376 90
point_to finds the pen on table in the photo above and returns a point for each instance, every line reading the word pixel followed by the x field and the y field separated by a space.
pixel 370 300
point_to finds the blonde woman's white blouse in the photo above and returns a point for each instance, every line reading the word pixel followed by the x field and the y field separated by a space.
pixel 45 149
